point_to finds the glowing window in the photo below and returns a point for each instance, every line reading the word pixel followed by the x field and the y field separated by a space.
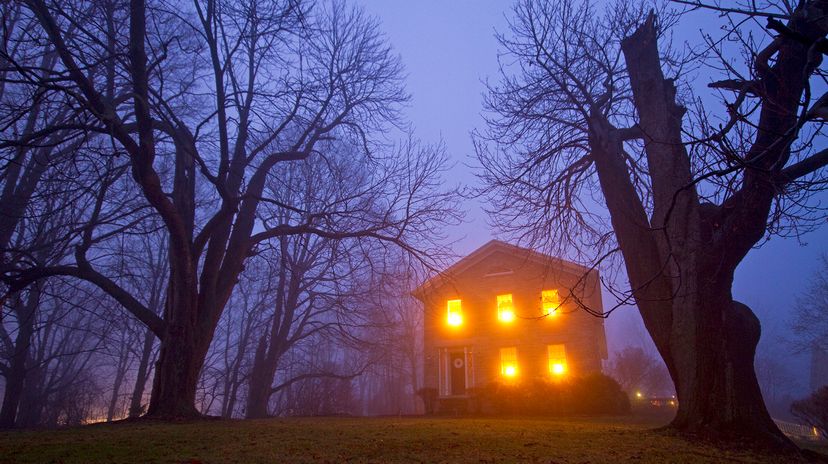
pixel 557 359
pixel 550 302
pixel 508 362
pixel 505 308
pixel 455 314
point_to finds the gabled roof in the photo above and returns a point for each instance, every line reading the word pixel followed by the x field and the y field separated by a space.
pixel 487 250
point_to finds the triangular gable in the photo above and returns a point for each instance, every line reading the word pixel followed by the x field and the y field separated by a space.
pixel 487 250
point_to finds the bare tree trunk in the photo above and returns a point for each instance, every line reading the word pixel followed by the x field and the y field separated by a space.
pixel 30 409
pixel 259 386
pixel 120 373
pixel 16 374
pixel 719 394
pixel 176 376
pixel 176 379
pixel 135 406
pixel 183 350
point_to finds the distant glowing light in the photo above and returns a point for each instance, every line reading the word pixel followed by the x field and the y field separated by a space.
pixel 510 371
pixel 455 315
pixel 639 395
pixel 558 368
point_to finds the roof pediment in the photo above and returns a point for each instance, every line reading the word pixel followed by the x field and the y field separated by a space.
pixel 484 253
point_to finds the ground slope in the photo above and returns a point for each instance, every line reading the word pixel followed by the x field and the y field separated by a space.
pixel 380 440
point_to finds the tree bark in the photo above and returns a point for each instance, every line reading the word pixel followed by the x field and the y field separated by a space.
pixel 176 377
pixel 183 348
pixel 713 364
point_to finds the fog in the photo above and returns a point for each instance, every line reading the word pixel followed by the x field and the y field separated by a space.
pixel 169 265
pixel 448 49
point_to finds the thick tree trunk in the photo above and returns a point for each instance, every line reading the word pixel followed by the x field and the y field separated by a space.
pixel 30 409
pixel 258 397
pixel 259 387
pixel 176 376
pixel 182 351
pixel 716 385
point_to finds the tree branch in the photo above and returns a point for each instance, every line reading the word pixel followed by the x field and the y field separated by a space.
pixel 141 312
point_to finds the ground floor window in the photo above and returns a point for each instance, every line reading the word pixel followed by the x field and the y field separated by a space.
pixel 557 359
pixel 508 362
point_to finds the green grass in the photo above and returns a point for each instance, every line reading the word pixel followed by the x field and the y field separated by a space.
pixel 380 440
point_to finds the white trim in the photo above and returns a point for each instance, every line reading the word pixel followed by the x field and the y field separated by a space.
pixel 497 274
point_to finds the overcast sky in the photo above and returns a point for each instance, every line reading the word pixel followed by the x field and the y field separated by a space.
pixel 448 49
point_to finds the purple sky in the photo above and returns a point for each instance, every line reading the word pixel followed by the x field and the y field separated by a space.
pixel 448 49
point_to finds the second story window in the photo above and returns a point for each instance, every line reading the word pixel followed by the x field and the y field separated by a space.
pixel 455 313
pixel 505 308
pixel 550 302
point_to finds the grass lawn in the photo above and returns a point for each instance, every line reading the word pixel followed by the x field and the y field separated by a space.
pixel 380 440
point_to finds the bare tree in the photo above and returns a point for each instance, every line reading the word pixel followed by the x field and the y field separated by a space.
pixel 809 321
pixel 63 365
pixel 639 372
pixel 390 384
pixel 224 92
pixel 590 111
pixel 28 232
pixel 809 324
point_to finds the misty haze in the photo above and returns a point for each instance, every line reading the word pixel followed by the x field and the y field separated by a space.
pixel 387 231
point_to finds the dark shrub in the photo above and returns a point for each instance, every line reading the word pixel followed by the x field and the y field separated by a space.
pixel 592 394
pixel 814 410
pixel 598 394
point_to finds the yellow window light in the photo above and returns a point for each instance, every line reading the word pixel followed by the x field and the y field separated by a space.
pixel 455 314
pixel 557 359
pixel 505 308
pixel 508 362
pixel 550 301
